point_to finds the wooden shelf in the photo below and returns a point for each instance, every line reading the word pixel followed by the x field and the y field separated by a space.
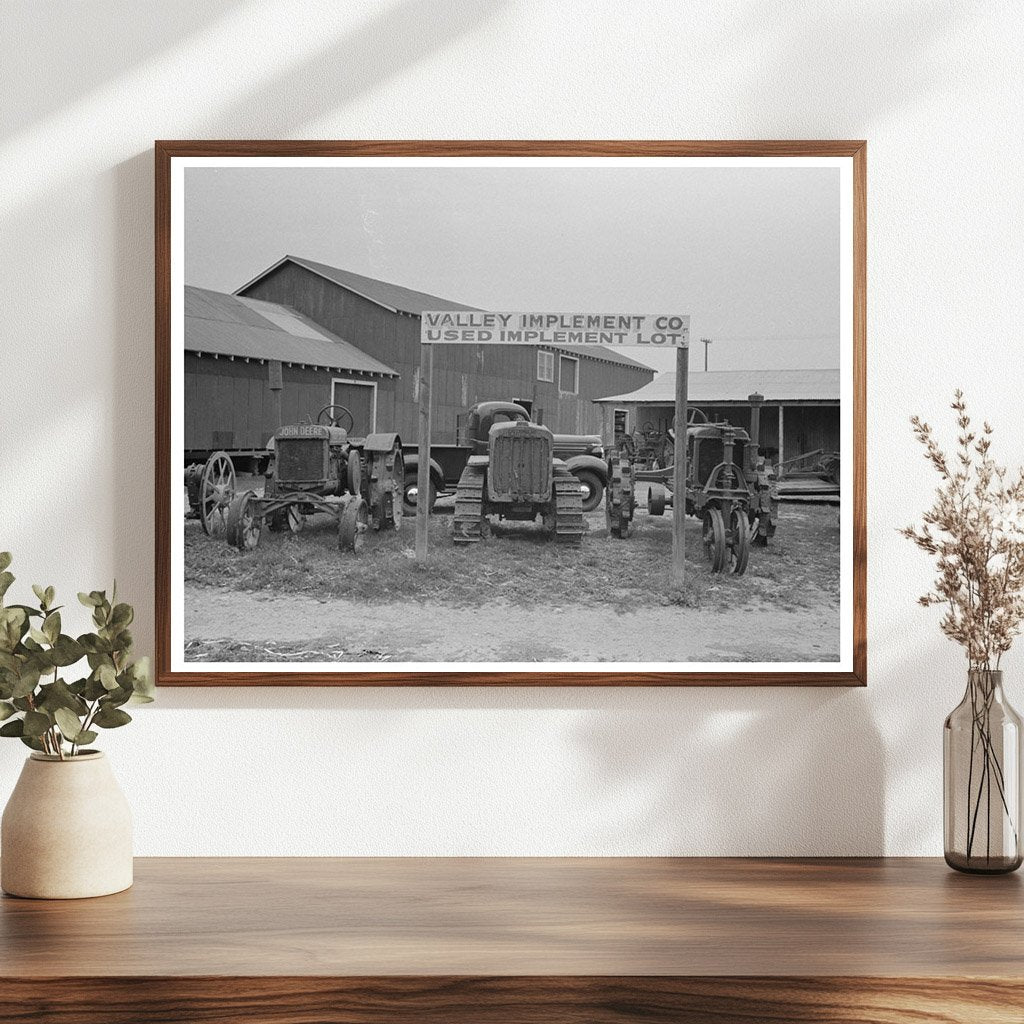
pixel 577 941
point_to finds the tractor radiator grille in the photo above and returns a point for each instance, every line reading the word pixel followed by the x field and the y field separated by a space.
pixel 520 468
pixel 301 459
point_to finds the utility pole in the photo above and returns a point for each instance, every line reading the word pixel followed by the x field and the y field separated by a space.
pixel 706 342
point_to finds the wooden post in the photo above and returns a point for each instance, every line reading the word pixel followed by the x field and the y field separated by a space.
pixel 679 476
pixel 423 468
pixel 782 427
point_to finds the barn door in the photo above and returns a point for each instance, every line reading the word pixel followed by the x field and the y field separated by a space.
pixel 360 398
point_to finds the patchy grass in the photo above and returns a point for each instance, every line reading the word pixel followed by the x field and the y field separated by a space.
pixel 799 569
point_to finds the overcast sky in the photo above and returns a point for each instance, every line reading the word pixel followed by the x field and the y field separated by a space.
pixel 752 254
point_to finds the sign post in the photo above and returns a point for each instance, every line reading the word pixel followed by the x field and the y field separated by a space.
pixel 655 332
pixel 423 466
pixel 679 468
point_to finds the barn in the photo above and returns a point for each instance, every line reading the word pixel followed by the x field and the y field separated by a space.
pixel 800 412
pixel 252 365
pixel 383 320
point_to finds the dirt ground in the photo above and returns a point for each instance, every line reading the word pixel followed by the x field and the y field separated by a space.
pixel 515 598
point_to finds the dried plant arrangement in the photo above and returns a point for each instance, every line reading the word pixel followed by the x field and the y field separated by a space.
pixel 975 531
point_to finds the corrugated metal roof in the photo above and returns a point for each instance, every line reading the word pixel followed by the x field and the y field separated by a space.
pixel 230 325
pixel 395 298
pixel 736 385
pixel 391 296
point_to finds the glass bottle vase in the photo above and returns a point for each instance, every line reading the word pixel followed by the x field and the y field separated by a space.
pixel 981 772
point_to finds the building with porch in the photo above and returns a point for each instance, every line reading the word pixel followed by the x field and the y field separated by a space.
pixel 800 412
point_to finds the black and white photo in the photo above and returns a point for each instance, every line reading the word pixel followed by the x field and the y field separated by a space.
pixel 543 317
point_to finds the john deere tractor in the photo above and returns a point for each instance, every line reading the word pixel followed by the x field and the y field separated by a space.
pixel 518 479
pixel 321 467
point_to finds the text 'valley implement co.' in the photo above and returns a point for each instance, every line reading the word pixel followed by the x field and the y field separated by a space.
pixel 473 328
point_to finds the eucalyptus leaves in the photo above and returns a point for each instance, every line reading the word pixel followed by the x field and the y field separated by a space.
pixel 54 716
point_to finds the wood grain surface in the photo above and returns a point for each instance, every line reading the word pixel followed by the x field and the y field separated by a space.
pixel 169 476
pixel 504 940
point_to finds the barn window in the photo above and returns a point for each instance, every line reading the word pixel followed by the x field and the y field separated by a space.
pixel 569 375
pixel 545 365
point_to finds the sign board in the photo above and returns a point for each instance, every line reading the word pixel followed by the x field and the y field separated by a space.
pixel 465 327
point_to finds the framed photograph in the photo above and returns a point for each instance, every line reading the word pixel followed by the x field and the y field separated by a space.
pixel 493 413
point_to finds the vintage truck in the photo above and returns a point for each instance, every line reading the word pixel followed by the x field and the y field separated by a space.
pixel 583 455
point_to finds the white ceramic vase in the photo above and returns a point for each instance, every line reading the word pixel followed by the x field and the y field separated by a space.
pixel 66 831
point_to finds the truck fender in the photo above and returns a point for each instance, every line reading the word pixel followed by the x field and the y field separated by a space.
pixel 599 466
pixel 412 462
pixel 381 442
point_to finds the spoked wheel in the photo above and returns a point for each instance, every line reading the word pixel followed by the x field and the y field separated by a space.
pixel 714 538
pixel 243 524
pixel 353 523
pixel 738 543
pixel 216 492
pixel 288 519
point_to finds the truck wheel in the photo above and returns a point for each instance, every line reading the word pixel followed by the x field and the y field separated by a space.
pixel 591 487
pixel 409 495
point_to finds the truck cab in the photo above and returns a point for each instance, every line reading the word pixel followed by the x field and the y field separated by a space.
pixel 482 416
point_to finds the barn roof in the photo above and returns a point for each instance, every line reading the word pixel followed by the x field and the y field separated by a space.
pixel 725 386
pixel 229 325
pixel 397 299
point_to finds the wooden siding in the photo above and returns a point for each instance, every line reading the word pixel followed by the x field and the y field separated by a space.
pixel 229 405
pixel 463 374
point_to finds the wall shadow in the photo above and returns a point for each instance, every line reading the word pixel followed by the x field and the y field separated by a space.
pixel 73 30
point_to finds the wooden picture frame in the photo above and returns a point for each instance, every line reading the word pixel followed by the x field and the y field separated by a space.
pixel 849 670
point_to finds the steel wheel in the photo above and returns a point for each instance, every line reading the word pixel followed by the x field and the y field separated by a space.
pixel 757 538
pixel 657 498
pixel 352 525
pixel 396 510
pixel 739 543
pixel 216 492
pixel 616 521
pixel 290 519
pixel 714 538
pixel 243 524
pixel 354 473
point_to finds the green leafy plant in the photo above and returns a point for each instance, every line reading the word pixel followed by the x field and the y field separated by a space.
pixel 37 704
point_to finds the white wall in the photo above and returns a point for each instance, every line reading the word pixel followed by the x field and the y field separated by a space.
pixel 935 87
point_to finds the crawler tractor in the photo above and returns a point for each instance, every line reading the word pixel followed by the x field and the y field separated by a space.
pixel 320 467
pixel 518 479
